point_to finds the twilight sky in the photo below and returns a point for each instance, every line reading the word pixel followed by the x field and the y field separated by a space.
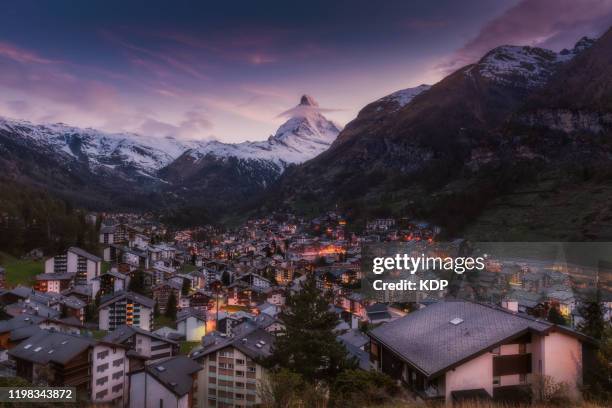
pixel 228 69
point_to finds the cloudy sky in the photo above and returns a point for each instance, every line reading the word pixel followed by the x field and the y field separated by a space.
pixel 228 69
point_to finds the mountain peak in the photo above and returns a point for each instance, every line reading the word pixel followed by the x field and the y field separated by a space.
pixel 308 100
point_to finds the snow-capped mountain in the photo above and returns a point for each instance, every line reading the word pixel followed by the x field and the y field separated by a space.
pixel 306 134
pixel 524 66
pixel 99 150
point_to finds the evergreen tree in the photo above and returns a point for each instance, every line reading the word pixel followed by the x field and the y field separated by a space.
pixel 186 287
pixel 554 316
pixel 137 283
pixel 592 313
pixel 171 306
pixel 308 345
pixel 226 278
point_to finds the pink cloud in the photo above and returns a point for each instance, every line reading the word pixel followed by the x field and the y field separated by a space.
pixel 21 55
pixel 545 23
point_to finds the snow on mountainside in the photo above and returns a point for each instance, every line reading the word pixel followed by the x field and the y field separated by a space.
pixel 403 97
pixel 99 149
pixel 525 66
pixel 306 134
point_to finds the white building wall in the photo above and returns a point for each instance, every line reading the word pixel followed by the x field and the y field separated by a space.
pixel 476 373
pixel 115 373
pixel 49 265
pixel 146 386
pixel 563 361
pixel 103 317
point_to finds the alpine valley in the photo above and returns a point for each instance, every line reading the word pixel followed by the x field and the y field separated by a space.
pixel 509 145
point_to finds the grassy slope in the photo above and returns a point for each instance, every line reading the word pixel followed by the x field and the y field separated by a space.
pixel 20 271
pixel 569 212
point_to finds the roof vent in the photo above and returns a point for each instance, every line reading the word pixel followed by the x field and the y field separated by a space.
pixel 27 346
pixel 161 369
pixel 51 351
pixel 456 321
pixel 37 349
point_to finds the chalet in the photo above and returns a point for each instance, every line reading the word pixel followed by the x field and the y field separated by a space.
pixel 149 345
pixel 231 373
pixel 161 294
pixel 276 296
pixel 23 321
pixel 121 254
pixel 191 323
pixel 54 359
pixel 378 313
pixel 167 383
pixel 115 234
pixel 110 282
pixel 54 282
pixel 453 350
pixel 77 261
pixel 199 299
pixel 73 307
pixel 127 308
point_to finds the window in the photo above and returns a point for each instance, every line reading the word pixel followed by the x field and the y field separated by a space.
pixel 251 369
pixel 101 394
pixel 102 367
pixel 239 396
pixel 240 362
pixel 117 387
pixel 496 380
pixel 239 373
pixel 117 375
pixel 161 403
pixel 102 354
pixel 239 385
pixel 212 380
pixel 102 380
pixel 117 362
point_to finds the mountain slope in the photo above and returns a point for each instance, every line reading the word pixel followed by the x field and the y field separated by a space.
pixel 457 146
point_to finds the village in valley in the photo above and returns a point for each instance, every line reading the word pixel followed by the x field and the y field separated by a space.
pixel 191 317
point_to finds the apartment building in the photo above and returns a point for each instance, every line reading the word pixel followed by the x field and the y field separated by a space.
pixel 231 375
pixel 461 350
pixel 77 261
pixel 109 369
pixel 126 308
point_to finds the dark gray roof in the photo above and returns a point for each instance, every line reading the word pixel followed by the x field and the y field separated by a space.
pixel 48 346
pixel 186 313
pixel 23 320
pixel 85 254
pixel 135 297
pixel 256 343
pixel 431 343
pixel 55 276
pixel 124 332
pixel 362 357
pixel 354 337
pixel 175 373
